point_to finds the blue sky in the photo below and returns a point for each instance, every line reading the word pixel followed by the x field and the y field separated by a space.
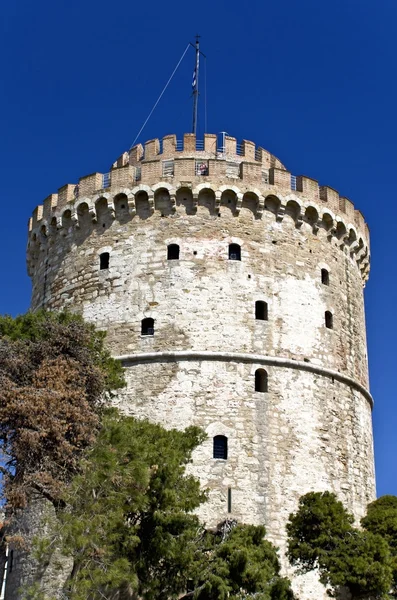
pixel 312 81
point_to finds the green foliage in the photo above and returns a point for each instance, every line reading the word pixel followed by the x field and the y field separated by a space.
pixel 316 528
pixel 130 529
pixel 129 524
pixel 239 564
pixel 321 535
pixel 381 519
pixel 361 563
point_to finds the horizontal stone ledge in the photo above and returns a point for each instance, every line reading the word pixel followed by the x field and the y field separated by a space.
pixel 289 363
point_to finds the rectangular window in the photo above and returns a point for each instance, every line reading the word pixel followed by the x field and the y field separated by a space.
pixel 201 167
pixel 168 168
pixel 138 174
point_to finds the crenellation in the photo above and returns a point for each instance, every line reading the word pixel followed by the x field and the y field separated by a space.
pixel 251 173
pixel 66 193
pixel 349 209
pixel 210 143
pixel 280 177
pixel 264 157
pixel 121 161
pixel 359 219
pixel 330 196
pixel 230 145
pixel 169 145
pixel 123 176
pixel 136 154
pixel 37 215
pixel 248 150
pixel 90 184
pixel 49 206
pixel 189 142
pixel 308 186
pixel 152 148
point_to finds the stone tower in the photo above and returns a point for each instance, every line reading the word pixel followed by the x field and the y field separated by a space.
pixel 233 293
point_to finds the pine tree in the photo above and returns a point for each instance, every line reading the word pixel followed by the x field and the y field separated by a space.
pixel 322 535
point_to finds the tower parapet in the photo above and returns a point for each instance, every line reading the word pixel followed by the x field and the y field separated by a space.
pixel 167 167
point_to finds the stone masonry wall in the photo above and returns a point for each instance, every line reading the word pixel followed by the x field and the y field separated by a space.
pixel 312 429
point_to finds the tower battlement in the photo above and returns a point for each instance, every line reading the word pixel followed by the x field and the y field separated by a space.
pixel 163 172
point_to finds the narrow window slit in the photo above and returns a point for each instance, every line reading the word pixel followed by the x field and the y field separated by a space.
pixel 261 313
pixel 147 326
pixel 104 260
pixel 234 252
pixel 329 320
pixel 324 277
pixel 173 252
pixel 220 447
pixel 261 380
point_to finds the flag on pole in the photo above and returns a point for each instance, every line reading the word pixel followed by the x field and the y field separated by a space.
pixel 196 68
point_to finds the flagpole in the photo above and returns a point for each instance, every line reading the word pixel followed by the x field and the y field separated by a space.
pixel 195 85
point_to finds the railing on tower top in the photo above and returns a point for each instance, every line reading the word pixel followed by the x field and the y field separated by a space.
pixel 106 180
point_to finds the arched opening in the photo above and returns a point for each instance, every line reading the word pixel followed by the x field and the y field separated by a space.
pixel 234 252
pixel 229 200
pixel 147 326
pixel 104 260
pixel 67 219
pixel 292 210
pixel 311 215
pixel 142 205
pixel 324 277
pixel 83 214
pixel 261 380
pixel 261 310
pixel 173 252
pixel 206 200
pixel 327 222
pixel 340 230
pixel 220 447
pixel 329 319
pixel 102 212
pixel 162 202
pixel 184 197
pixel 272 204
pixel 121 206
pixel 249 206
pixel 352 237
